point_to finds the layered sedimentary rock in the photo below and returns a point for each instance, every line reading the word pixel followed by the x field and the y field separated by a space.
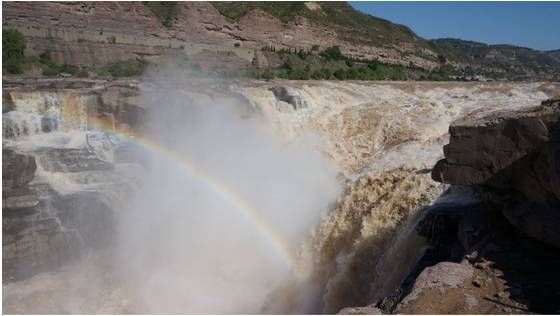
pixel 17 170
pixel 31 239
pixel 515 157
pixel 502 250
pixel 46 151
pixel 102 32
pixel 35 106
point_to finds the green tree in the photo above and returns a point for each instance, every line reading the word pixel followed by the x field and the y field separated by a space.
pixel 340 74
pixel 13 47
pixel 267 74
pixel 332 53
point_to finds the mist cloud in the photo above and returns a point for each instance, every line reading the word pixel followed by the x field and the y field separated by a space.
pixel 185 248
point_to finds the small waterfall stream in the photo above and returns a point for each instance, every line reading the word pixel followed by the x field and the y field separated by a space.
pixel 77 185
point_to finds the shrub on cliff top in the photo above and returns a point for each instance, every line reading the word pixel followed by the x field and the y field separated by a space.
pixel 332 53
pixel 13 46
pixel 166 11
pixel 51 68
pixel 127 68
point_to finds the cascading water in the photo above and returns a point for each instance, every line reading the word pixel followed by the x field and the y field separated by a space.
pixel 75 186
pixel 385 138
pixel 214 208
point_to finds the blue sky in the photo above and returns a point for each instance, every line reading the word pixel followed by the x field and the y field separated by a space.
pixel 528 24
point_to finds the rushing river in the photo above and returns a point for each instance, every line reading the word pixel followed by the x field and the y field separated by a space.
pixel 277 197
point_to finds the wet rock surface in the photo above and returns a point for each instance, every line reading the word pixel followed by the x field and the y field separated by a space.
pixel 42 229
pixel 17 169
pixel 71 160
pixel 499 255
pixel 45 222
pixel 31 238
pixel 290 96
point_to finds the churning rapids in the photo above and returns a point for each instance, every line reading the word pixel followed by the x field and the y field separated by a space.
pixel 254 197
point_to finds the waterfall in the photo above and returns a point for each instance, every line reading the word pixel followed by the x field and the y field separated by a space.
pixel 383 138
pixel 77 185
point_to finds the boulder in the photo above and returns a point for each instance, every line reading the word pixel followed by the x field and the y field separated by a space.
pixel 70 160
pixel 364 310
pixel 481 146
pixel 432 285
pixel 17 169
pixel 19 198
pixel 290 96
pixel 513 160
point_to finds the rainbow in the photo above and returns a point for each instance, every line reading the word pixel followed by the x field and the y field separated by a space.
pixel 223 191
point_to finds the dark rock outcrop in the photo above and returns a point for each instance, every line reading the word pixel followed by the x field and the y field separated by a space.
pixel 500 254
pixel 42 229
pixel 17 169
pixel 513 160
pixel 32 239
pixel 71 160
pixel 499 270
pixel 290 96
pixel 480 147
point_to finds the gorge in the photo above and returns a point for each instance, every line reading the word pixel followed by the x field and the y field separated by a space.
pixel 177 194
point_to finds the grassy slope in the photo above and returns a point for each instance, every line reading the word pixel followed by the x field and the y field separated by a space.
pixel 353 25
pixel 509 56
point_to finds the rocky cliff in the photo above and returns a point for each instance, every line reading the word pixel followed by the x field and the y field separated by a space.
pixel 513 158
pixel 499 252
pixel 102 32
pixel 45 223
pixel 229 36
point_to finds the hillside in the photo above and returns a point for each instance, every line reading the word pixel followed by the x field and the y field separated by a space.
pixel 516 62
pixel 256 39
pixel 350 24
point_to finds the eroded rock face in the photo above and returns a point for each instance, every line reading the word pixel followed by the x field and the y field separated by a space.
pixel 31 239
pixel 513 159
pixel 17 169
pixel 71 160
pixel 290 96
pixel 44 222
pixel 103 32
pixel 366 310
pixel 439 278
pixel 481 147
pixel 500 271
pixel 41 228
pixel 482 257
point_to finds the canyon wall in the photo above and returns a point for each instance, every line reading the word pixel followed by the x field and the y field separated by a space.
pixel 97 33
